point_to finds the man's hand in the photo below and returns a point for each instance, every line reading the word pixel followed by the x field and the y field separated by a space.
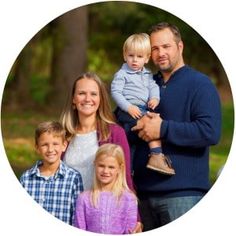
pixel 149 127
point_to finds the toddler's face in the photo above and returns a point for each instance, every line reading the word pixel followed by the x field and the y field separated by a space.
pixel 136 61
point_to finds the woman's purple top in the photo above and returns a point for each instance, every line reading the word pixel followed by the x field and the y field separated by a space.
pixel 110 216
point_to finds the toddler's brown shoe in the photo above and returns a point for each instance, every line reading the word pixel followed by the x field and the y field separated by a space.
pixel 161 163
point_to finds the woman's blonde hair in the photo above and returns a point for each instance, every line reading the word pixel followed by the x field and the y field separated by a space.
pixel 70 117
pixel 116 151
pixel 139 43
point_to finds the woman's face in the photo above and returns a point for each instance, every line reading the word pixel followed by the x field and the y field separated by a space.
pixel 86 97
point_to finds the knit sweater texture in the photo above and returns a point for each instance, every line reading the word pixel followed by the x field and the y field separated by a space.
pixel 191 112
pixel 110 216
pixel 130 87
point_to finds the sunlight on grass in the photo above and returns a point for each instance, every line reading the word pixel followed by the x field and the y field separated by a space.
pixel 217 161
pixel 21 154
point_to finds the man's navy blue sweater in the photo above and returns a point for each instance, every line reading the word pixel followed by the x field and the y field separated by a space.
pixel 191 112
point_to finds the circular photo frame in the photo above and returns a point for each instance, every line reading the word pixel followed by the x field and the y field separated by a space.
pixel 69 39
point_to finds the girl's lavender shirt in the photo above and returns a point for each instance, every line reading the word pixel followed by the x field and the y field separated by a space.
pixel 110 216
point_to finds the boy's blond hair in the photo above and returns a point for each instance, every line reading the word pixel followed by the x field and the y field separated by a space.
pixel 51 127
pixel 139 43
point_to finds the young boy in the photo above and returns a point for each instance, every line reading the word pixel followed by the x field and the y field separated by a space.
pixel 135 92
pixel 51 183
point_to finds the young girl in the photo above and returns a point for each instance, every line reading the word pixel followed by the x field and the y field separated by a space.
pixel 110 207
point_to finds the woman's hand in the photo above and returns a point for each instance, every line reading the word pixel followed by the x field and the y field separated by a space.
pixel 138 228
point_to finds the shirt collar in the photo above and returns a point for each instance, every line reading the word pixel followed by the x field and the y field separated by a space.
pixel 130 71
pixel 159 76
pixel 59 173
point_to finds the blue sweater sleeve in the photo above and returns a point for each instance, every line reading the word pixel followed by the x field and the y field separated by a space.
pixel 204 127
pixel 117 86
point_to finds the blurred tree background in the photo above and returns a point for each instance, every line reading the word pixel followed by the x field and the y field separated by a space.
pixel 90 38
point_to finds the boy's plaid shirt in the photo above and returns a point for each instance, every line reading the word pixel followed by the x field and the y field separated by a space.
pixel 57 194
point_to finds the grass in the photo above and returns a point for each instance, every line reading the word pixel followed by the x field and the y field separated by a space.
pixel 220 152
pixel 18 137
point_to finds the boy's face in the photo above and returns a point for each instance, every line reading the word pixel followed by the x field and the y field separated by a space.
pixel 136 61
pixel 50 147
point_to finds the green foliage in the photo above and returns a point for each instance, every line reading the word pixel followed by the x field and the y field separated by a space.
pixel 110 23
pixel 39 88
pixel 21 154
pixel 100 64
pixel 219 153
pixel 227 131
pixel 18 137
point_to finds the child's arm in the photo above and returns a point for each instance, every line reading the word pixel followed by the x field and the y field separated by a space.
pixel 77 190
pixel 132 212
pixel 154 93
pixel 80 219
pixel 117 86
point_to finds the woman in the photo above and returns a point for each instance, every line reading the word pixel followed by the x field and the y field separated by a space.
pixel 89 123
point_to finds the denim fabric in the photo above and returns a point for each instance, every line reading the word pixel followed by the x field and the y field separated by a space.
pixel 127 122
pixel 156 212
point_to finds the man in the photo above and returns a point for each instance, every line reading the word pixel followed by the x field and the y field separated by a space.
pixel 188 122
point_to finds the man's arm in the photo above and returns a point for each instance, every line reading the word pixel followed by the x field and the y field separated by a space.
pixel 203 130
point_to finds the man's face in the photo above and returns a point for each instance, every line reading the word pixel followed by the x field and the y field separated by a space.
pixel 166 52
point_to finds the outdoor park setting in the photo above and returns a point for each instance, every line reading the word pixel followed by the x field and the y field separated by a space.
pixel 90 38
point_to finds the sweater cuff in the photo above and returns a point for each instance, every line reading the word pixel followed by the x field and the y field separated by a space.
pixel 164 127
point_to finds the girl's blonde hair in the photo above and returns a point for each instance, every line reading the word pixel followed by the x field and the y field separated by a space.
pixel 116 151
pixel 70 117
pixel 139 43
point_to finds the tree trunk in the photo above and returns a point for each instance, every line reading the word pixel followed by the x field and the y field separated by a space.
pixel 69 54
pixel 17 95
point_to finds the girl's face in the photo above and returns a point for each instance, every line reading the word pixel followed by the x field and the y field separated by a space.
pixel 50 148
pixel 86 97
pixel 136 61
pixel 107 170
